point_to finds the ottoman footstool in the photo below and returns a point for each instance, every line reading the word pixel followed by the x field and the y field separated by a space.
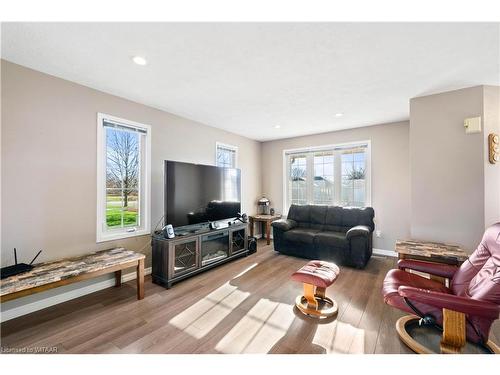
pixel 316 277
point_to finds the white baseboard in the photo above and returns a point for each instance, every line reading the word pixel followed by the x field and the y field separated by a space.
pixel 65 296
pixel 387 253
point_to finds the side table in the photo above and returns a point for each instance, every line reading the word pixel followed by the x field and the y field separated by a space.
pixel 431 252
pixel 265 219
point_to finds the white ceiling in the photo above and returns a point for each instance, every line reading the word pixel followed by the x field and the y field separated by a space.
pixel 249 77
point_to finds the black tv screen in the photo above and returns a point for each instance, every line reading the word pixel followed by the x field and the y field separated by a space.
pixel 196 193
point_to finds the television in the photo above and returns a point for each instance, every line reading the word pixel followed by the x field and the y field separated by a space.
pixel 196 193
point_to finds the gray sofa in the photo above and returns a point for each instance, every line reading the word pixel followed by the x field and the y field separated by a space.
pixel 342 235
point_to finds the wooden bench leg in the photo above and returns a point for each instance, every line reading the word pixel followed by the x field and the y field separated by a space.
pixel 140 279
pixel 118 278
pixel 453 332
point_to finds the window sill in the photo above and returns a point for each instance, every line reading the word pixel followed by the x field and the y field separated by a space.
pixel 101 237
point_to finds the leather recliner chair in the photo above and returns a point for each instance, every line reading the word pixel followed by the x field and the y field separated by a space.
pixel 473 294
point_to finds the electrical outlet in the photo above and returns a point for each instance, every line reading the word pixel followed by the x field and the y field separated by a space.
pixel 378 233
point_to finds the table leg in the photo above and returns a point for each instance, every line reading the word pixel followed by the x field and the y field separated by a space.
pixel 268 232
pixel 118 278
pixel 251 227
pixel 140 279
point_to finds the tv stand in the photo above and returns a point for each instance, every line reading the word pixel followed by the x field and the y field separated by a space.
pixel 188 254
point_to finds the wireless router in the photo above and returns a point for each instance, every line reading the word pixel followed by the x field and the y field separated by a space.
pixel 16 269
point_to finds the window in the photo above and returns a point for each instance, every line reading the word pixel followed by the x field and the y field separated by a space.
pixel 353 164
pixel 226 155
pixel 323 184
pixel 298 177
pixel 328 175
pixel 123 178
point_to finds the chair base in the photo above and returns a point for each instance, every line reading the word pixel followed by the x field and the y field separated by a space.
pixel 326 307
pixel 426 339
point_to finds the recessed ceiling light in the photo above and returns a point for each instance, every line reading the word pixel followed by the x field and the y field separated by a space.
pixel 339 114
pixel 139 60
pixel 277 126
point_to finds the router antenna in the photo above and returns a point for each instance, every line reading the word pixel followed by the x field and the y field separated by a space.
pixel 36 256
pixel 15 255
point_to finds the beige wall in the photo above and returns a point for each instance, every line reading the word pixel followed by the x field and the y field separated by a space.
pixel 491 103
pixel 446 168
pixel 49 162
pixel 390 175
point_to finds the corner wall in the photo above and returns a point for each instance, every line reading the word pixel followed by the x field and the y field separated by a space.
pixel 447 168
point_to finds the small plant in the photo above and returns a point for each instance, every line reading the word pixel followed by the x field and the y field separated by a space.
pixel 356 174
pixel 298 174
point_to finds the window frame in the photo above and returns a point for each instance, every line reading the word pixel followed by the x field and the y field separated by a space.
pixel 310 173
pixel 229 147
pixel 103 235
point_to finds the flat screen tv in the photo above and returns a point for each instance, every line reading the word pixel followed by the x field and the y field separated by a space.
pixel 196 193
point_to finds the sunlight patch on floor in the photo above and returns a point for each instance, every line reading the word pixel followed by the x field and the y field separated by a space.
pixel 259 330
pixel 200 318
pixel 245 270
pixel 340 338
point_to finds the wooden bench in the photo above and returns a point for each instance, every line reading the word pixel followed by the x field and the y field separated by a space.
pixel 49 275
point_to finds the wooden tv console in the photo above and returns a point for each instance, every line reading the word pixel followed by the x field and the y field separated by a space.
pixel 187 255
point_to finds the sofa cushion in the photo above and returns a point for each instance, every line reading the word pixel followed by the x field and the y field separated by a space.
pixel 301 214
pixel 358 216
pixel 331 239
pixel 333 219
pixel 318 216
pixel 302 235
pixel 366 215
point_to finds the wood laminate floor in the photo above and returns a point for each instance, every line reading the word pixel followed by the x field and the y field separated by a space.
pixel 242 307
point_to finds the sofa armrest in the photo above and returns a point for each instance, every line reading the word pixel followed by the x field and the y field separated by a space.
pixel 358 230
pixel 284 224
pixel 437 269
pixel 464 305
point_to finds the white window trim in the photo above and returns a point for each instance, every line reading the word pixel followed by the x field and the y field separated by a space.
pixel 230 147
pixel 368 185
pixel 101 235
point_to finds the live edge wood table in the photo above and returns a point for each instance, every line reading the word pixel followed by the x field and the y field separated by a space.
pixel 50 275
pixel 267 220
pixel 431 252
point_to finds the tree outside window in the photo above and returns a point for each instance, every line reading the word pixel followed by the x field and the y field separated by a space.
pixel 122 177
